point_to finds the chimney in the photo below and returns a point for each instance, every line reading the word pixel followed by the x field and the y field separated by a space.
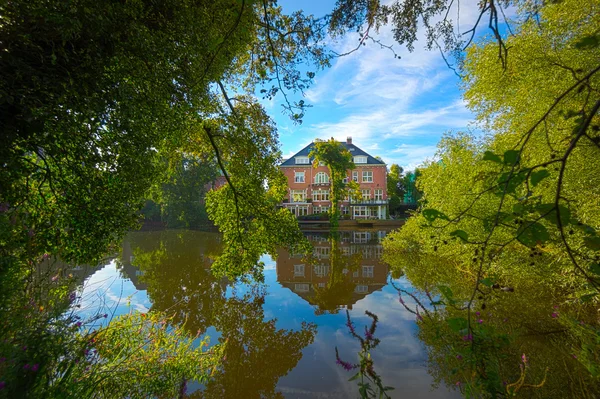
pixel 349 140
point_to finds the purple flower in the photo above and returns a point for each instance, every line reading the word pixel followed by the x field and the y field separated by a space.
pixel 524 358
pixel 555 306
pixel 26 367
pixel 467 337
pixel 78 324
pixel 55 278
pixel 105 315
pixel 24 347
pixel 458 383
pixel 574 356
pixel 72 296
pixel 459 357
pixel 347 366
pixel 368 334
pixel 35 367
pixel 477 314
pixel 480 321
pixel 2 384
pixel 554 315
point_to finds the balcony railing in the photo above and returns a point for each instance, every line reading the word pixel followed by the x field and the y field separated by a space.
pixel 368 202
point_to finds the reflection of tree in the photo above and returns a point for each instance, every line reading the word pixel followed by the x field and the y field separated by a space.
pixel 177 270
pixel 508 322
pixel 340 287
pixel 257 354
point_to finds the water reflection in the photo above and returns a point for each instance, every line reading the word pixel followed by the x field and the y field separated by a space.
pixel 175 268
pixel 342 269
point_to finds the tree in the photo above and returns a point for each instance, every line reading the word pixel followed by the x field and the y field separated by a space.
pixel 395 188
pixel 338 160
pixel 518 210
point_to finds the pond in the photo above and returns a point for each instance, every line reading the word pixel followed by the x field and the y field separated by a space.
pixel 282 333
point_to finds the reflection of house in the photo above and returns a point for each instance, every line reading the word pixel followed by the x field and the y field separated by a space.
pixel 309 187
pixel 128 269
pixel 358 267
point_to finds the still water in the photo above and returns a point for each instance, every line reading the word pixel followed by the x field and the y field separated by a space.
pixel 281 334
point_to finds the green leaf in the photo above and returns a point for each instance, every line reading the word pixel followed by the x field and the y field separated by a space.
pixel 457 323
pixel 595 268
pixel 433 214
pixel 588 42
pixel 550 214
pixel 490 156
pixel 588 297
pixel 538 176
pixel 355 376
pixel 511 157
pixel 592 242
pixel 488 282
pixel 463 235
pixel 446 292
pixel 530 234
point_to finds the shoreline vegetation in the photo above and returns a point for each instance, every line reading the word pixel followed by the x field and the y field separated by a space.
pixel 104 105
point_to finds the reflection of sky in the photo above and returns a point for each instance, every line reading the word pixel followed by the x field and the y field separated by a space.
pixel 400 358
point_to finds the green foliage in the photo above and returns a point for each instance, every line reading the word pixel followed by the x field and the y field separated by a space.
pixel 395 188
pixel 338 160
pixel 512 218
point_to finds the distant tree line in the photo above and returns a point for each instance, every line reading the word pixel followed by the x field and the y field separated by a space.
pixel 402 190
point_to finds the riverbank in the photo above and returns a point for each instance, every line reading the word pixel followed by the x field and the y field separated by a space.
pixel 351 224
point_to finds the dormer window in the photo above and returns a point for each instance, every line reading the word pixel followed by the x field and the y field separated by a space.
pixel 360 159
pixel 302 160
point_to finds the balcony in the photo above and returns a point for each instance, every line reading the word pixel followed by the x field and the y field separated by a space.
pixel 368 202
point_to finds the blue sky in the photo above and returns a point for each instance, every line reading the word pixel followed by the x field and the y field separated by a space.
pixel 394 108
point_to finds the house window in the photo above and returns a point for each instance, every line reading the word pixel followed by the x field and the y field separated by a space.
pixel 345 210
pixel 298 270
pixel 367 176
pixel 366 194
pixel 321 178
pixel 367 271
pixel 321 252
pixel 321 285
pixel 321 195
pixel 345 180
pixel 355 176
pixel 298 195
pixel 301 287
pixel 360 159
pixel 379 194
pixel 303 210
pixel 302 160
pixel 299 177
pixel 360 211
pixel 361 289
pixel 321 270
pixel 324 209
pixel 355 273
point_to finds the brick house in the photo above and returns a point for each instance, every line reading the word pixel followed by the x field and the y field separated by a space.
pixel 308 187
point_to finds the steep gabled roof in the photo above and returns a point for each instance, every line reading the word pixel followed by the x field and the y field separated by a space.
pixel 354 150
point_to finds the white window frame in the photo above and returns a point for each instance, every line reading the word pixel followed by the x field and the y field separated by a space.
pixel 321 178
pixel 299 270
pixel 361 289
pixel 355 175
pixel 302 160
pixel 355 274
pixel 301 196
pixel 361 211
pixel 366 194
pixel 367 176
pixel 360 159
pixel 378 194
pixel 320 195
pixel 321 270
pixel 299 177
pixel 301 287
pixel 368 271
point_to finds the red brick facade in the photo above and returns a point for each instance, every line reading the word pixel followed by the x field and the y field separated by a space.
pixel 307 184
